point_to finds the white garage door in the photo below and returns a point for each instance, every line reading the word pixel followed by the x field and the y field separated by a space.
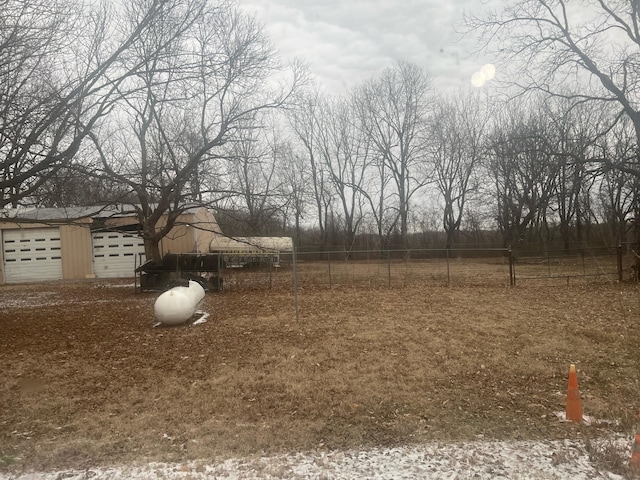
pixel 114 254
pixel 31 254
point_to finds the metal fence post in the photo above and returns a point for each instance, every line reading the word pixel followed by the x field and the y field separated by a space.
pixel 135 273
pixel 329 263
pixel 389 267
pixel 512 273
pixel 448 270
pixel 295 284
pixel 619 261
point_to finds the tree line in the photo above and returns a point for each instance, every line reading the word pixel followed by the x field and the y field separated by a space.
pixel 166 104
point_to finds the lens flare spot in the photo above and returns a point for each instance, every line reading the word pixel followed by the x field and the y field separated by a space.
pixel 482 76
pixel 489 71
pixel 478 79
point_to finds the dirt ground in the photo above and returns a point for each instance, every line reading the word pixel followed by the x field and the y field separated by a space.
pixel 87 380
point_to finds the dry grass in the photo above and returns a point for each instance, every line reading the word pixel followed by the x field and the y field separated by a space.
pixel 87 381
pixel 418 272
pixel 607 455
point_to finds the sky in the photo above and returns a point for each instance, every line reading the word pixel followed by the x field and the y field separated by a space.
pixel 348 41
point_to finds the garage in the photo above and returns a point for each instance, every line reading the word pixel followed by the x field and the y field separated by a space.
pixel 76 243
pixel 31 254
pixel 116 254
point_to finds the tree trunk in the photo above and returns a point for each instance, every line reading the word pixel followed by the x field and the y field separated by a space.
pixel 152 248
pixel 451 237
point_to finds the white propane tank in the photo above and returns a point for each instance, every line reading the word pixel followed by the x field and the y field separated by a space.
pixel 179 304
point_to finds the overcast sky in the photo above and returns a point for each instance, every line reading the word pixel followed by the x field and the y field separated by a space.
pixel 347 41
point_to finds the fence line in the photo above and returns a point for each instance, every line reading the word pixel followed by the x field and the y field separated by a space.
pixel 449 267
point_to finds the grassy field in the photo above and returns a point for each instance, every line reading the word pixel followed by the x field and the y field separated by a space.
pixel 87 380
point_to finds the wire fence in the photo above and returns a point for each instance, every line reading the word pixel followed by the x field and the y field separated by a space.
pixel 432 267
pixel 600 265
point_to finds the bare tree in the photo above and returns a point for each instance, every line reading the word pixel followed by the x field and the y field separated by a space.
pixel 254 156
pixel 296 185
pixel 61 67
pixel 594 45
pixel 617 189
pixel 345 154
pixel 394 109
pixel 574 132
pixel 203 93
pixel 379 196
pixel 457 142
pixel 305 122
pixel 524 172
pixel 73 186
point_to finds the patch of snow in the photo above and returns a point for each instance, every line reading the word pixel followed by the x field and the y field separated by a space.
pixel 470 460
pixel 202 319
pixel 116 285
pixel 46 298
pixel 35 299
pixel 587 420
pixel 43 299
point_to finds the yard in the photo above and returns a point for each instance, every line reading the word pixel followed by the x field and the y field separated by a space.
pixel 87 380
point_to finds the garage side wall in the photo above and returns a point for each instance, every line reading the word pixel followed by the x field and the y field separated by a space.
pixel 206 228
pixel 180 238
pixel 76 252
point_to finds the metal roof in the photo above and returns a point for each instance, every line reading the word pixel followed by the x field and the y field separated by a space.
pixel 246 244
pixel 72 213
pixel 65 213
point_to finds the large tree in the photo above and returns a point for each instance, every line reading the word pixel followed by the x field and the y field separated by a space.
pixel 305 121
pixel 573 136
pixel 62 65
pixel 296 187
pixel 394 109
pixel 457 142
pixel 523 169
pixel 545 45
pixel 617 189
pixel 345 155
pixel 254 157
pixel 169 142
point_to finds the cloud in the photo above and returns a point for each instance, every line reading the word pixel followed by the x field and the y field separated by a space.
pixel 346 42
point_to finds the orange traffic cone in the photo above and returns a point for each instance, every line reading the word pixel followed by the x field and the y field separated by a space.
pixel 635 454
pixel 574 408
